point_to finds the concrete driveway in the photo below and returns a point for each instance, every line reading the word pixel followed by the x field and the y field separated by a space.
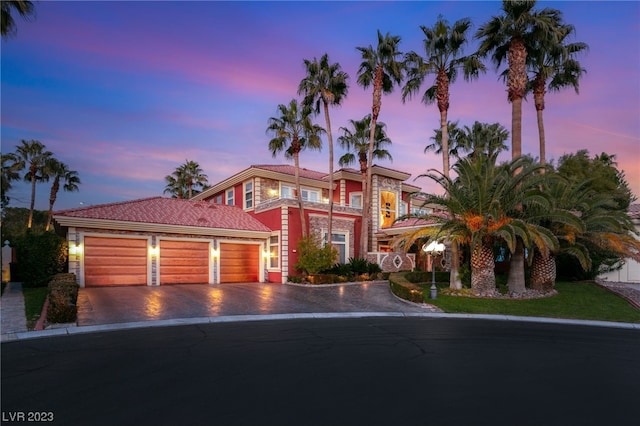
pixel 97 306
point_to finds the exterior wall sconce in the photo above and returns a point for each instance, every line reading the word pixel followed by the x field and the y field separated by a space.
pixel 215 253
pixel 154 251
pixel 75 249
pixel 266 254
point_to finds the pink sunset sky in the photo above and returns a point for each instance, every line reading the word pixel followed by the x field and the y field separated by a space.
pixel 124 92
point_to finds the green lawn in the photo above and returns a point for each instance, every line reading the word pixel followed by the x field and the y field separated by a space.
pixel 576 300
pixel 33 302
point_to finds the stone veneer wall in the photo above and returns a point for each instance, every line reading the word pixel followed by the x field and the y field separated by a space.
pixel 393 261
pixel 317 223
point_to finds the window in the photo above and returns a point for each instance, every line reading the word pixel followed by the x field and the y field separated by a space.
pixel 404 207
pixel 355 200
pixel 248 195
pixel 230 200
pixel 387 208
pixel 421 211
pixel 307 194
pixel 339 242
pixel 274 251
pixel 217 199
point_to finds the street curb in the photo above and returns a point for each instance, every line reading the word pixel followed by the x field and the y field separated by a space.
pixel 27 335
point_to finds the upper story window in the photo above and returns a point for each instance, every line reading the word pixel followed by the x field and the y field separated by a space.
pixel 217 199
pixel 307 194
pixel 248 195
pixel 355 200
pixel 388 208
pixel 230 197
pixel 419 211
pixel 404 206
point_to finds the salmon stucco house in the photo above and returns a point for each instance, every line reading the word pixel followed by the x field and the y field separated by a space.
pixel 242 229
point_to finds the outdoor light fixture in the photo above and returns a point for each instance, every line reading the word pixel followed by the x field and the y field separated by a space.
pixel 433 249
pixel 215 253
pixel 154 251
pixel 75 249
pixel 266 254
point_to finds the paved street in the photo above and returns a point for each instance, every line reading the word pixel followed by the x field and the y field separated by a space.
pixel 359 371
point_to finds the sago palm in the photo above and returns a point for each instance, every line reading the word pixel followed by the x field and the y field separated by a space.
pixel 383 68
pixel 326 84
pixel 293 132
pixel 481 206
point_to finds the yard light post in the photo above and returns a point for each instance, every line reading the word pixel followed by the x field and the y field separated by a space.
pixel 433 249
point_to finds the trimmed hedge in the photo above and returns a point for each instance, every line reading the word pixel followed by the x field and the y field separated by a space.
pixel 40 257
pixel 426 277
pixel 63 296
pixel 405 289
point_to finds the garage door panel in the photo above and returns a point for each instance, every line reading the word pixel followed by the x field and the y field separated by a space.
pixel 115 261
pixel 239 262
pixel 184 262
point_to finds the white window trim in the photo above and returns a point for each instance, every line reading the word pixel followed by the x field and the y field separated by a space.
pixel 244 194
pixel 359 194
pixel 302 188
pixel 347 237
pixel 278 267
pixel 232 198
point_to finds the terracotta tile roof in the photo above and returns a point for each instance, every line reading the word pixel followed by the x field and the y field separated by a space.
pixel 171 211
pixel 290 170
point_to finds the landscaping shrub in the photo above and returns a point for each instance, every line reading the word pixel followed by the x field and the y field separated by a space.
pixel 427 277
pixel 39 257
pixel 405 289
pixel 314 258
pixel 63 296
pixel 295 279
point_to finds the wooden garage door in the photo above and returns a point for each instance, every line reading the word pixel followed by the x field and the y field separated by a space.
pixel 115 261
pixel 239 263
pixel 184 262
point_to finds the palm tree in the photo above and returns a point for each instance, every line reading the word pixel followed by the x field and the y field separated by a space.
pixel 383 68
pixel 24 9
pixel 510 36
pixel 32 155
pixel 481 206
pixel 186 180
pixel 60 171
pixel 10 173
pixel 483 139
pixel 454 133
pixel 443 46
pixel 553 62
pixel 193 177
pixel 294 132
pixel 326 84
pixel 356 142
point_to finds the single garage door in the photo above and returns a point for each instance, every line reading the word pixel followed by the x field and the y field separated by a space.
pixel 239 263
pixel 184 262
pixel 115 261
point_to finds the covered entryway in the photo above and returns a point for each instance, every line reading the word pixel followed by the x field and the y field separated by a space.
pixel 239 263
pixel 184 262
pixel 115 261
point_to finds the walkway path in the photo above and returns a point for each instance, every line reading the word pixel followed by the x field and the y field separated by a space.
pixel 13 317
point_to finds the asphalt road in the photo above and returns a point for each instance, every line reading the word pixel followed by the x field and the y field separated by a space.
pixel 366 371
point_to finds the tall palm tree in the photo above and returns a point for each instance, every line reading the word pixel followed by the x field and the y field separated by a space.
pixel 454 133
pixel 33 156
pixel 292 133
pixel 383 68
pixel 186 180
pixel 59 171
pixel 326 84
pixel 483 139
pixel 554 62
pixel 443 46
pixel 22 7
pixel 509 37
pixel 10 173
pixel 481 209
pixel 194 177
pixel 356 142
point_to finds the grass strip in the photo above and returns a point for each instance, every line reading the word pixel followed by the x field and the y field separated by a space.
pixel 33 302
pixel 575 300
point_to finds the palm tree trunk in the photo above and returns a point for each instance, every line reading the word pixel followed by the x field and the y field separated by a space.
pixel 303 224
pixel 330 138
pixel 366 196
pixel 33 200
pixel 543 272
pixel 52 199
pixel 538 97
pixel 515 280
pixel 483 278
